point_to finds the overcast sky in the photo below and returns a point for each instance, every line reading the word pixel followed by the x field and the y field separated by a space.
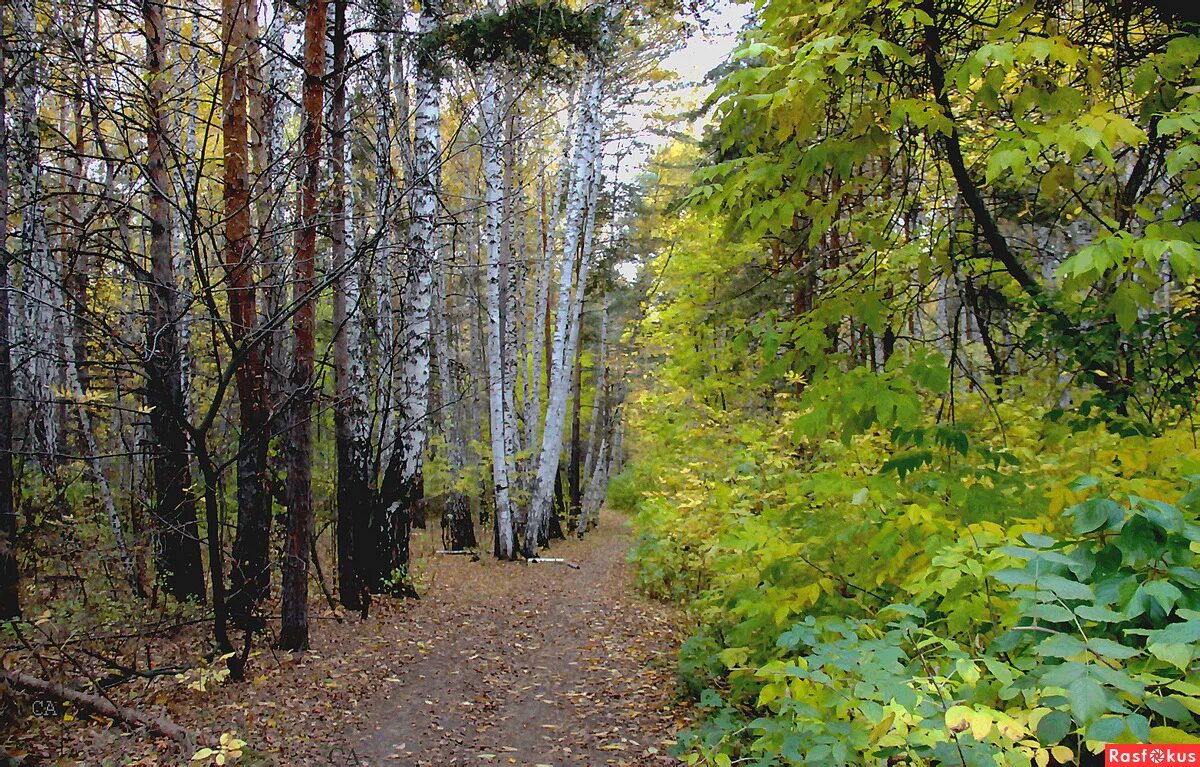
pixel 704 51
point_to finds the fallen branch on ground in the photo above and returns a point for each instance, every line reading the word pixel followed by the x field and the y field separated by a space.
pixel 553 560
pixel 130 716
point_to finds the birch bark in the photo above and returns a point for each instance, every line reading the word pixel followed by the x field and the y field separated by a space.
pixel 38 333
pixel 10 601
pixel 401 487
pixel 351 425
pixel 570 299
pixel 492 147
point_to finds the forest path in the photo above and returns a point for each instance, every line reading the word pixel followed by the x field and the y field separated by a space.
pixel 529 664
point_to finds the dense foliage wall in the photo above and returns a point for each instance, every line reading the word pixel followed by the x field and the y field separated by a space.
pixel 914 430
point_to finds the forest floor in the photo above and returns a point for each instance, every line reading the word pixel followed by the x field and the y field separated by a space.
pixel 498 663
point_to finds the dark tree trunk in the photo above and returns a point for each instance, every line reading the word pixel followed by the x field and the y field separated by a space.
pixel 575 468
pixel 250 577
pixel 458 532
pixel 216 558
pixel 10 602
pixel 552 529
pixel 178 561
pixel 420 505
pixel 293 633
pixel 391 523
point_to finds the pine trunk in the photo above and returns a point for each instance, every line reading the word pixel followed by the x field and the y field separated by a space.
pixel 250 576
pixel 293 634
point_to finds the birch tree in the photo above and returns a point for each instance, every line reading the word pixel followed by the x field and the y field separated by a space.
pixel 10 601
pixel 351 425
pixel 39 329
pixel 400 487
pixel 570 300
pixel 491 145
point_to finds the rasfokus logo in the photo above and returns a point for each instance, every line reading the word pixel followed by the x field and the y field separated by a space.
pixel 1153 755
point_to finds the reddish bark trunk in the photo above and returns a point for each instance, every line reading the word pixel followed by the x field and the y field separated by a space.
pixel 250 576
pixel 294 630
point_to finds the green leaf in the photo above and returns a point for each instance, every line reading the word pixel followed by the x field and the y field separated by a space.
pixel 1053 727
pixel 1064 588
pixel 1140 541
pixel 1107 729
pixel 1051 612
pixel 1095 513
pixel 1060 646
pixel 1178 655
pixel 1037 540
pixel 1110 649
pixel 1100 614
pixel 1162 593
pixel 1087 699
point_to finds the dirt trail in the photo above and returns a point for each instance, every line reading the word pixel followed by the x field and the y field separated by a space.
pixel 498 663
pixel 529 664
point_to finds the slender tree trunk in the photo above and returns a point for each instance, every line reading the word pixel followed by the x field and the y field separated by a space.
pixel 401 488
pixel 264 90
pixel 509 306
pixel 594 496
pixel 574 467
pixel 351 428
pixel 491 142
pixel 178 559
pixel 566 332
pixel 216 556
pixel 250 577
pixel 595 442
pixel 384 282
pixel 38 331
pixel 10 601
pixel 293 633
pixel 533 402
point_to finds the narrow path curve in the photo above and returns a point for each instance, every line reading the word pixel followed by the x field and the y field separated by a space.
pixel 531 664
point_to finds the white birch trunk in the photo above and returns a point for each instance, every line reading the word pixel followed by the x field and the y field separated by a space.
pixel 386 330
pixel 418 287
pixel 38 331
pixel 509 304
pixel 566 331
pixel 351 369
pixel 493 188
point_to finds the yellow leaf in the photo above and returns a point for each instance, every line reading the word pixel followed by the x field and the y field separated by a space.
pixel 1171 735
pixel 981 724
pixel 881 729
